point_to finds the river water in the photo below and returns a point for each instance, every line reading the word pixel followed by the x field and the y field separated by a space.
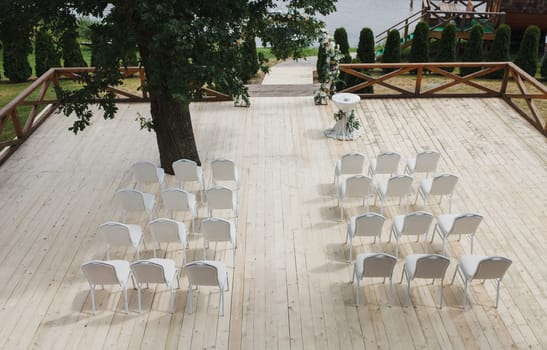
pixel 377 15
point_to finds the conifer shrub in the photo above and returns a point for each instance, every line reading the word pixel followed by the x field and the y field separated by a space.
pixel 473 50
pixel 46 55
pixel 447 46
pixel 392 50
pixel 321 62
pixel 72 55
pixel 249 59
pixel 500 50
pixel 420 44
pixel 527 57
pixel 543 70
pixel 15 54
pixel 365 49
pixel 341 39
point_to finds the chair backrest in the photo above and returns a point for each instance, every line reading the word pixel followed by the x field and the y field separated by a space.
pixel 220 197
pixel 201 273
pixel 131 200
pixel 443 184
pixel 369 224
pixel 145 172
pixel 100 272
pixel 216 229
pixel 175 199
pixel 426 161
pixel 431 266
pixel 387 162
pixel 466 223
pixel 352 163
pixel 399 185
pixel 379 265
pixel 115 233
pixel 493 267
pixel 357 186
pixel 186 170
pixel 417 223
pixel 223 169
pixel 146 271
pixel 167 230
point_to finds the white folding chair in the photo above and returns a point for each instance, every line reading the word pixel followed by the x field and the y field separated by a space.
pixel 424 162
pixel 384 163
pixel 365 225
pixel 118 234
pixel 218 230
pixel 440 185
pixel 114 272
pixel 175 199
pixel 188 171
pixel 396 186
pixel 207 273
pixel 135 201
pixel 147 172
pixel 156 271
pixel 221 198
pixel 473 267
pixel 424 266
pixel 461 224
pixel 168 230
pixel 373 265
pixel 357 186
pixel 224 170
pixel 417 223
pixel 350 164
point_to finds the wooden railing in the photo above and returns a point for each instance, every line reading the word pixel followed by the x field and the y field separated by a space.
pixel 517 87
pixel 32 106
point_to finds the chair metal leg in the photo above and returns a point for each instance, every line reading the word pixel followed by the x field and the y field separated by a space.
pixel 444 245
pixel 93 299
pixel 350 248
pixel 498 293
pixel 472 239
pixel 357 285
pixel 204 249
pixel 108 252
pixel 172 299
pixel 454 275
pixel 341 211
pixel 139 296
pixel 434 231
pixel 408 292
pixel 442 279
pixel 189 298
pixel 397 246
pixel 125 297
pixel 464 293
pixel 390 290
pixel 222 301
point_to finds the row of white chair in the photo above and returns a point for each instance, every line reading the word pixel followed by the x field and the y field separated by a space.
pixel 399 186
pixel 371 224
pixel 165 230
pixel 470 267
pixel 386 163
pixel 118 272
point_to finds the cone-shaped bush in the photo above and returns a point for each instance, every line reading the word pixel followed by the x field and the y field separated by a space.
pixel 544 67
pixel 249 58
pixel 365 50
pixel 419 51
pixel 473 50
pixel 321 62
pixel 72 55
pixel 392 50
pixel 527 57
pixel 500 50
pixel 46 56
pixel 341 39
pixel 15 53
pixel 447 46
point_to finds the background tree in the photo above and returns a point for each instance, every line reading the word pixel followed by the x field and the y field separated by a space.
pixel 419 51
pixel 45 53
pixel 392 50
pixel 500 50
pixel 183 46
pixel 447 46
pixel 473 50
pixel 321 63
pixel 527 57
pixel 365 49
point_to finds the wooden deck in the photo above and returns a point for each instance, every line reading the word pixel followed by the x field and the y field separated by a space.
pixel 290 285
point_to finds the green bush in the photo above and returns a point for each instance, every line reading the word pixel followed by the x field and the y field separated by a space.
pixel 544 67
pixel 341 39
pixel 447 46
pixel 15 54
pixel 249 59
pixel 527 57
pixel 420 44
pixel 392 50
pixel 46 56
pixel 500 50
pixel 473 50
pixel 365 49
pixel 321 62
pixel 72 55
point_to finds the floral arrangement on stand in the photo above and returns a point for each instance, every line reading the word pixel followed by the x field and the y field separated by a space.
pixel 352 122
pixel 331 69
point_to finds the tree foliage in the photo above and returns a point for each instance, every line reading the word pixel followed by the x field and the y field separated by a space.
pixel 500 50
pixel 527 57
pixel 419 51
pixel 447 46
pixel 543 70
pixel 392 50
pixel 249 58
pixel 45 53
pixel 473 50
pixel 72 55
pixel 365 48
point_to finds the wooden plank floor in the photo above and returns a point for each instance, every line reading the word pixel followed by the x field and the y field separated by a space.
pixel 290 287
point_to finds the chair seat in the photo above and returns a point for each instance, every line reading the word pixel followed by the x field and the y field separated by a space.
pixel 445 222
pixel 470 263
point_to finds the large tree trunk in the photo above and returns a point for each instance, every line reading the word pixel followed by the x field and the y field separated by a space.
pixel 174 133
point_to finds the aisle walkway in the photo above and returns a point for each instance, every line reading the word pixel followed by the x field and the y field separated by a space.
pixel 291 72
